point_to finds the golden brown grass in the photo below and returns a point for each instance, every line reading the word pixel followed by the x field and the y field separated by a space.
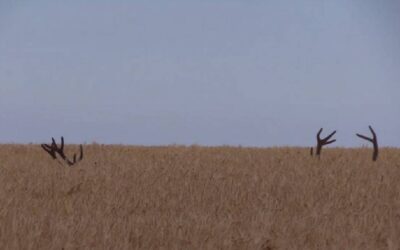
pixel 199 198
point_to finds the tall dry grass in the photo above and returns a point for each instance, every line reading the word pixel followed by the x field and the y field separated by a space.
pixel 199 198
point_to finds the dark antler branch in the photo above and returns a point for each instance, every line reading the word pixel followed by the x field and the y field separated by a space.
pixel 323 141
pixel 373 140
pixel 49 150
pixel 53 150
pixel 80 155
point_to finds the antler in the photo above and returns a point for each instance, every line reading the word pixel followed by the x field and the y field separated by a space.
pixel 374 141
pixel 323 142
pixel 53 150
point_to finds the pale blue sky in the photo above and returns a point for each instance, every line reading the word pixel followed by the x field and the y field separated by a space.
pixel 238 72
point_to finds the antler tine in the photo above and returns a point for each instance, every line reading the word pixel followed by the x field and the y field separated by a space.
pixel 373 140
pixel 329 142
pixel 326 139
pixel 319 135
pixel 46 147
pixel 373 132
pixel 365 138
pixel 62 143
pixel 75 160
pixel 81 152
pixel 49 150
pixel 60 150
pixel 53 143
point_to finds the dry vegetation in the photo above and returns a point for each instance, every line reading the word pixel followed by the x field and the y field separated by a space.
pixel 199 198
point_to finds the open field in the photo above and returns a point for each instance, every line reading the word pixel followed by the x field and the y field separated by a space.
pixel 199 198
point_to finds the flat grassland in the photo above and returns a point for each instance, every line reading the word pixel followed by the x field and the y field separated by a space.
pixel 177 197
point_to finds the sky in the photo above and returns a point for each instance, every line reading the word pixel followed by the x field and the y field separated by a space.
pixel 237 72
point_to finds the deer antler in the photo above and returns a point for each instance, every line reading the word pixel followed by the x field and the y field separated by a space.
pixel 323 142
pixel 374 141
pixel 53 150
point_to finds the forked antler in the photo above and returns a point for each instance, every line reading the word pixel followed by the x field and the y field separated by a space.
pixel 374 141
pixel 322 142
pixel 53 150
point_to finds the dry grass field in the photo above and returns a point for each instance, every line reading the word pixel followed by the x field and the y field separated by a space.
pixel 195 197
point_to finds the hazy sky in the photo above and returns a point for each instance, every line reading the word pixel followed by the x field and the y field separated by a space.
pixel 238 72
